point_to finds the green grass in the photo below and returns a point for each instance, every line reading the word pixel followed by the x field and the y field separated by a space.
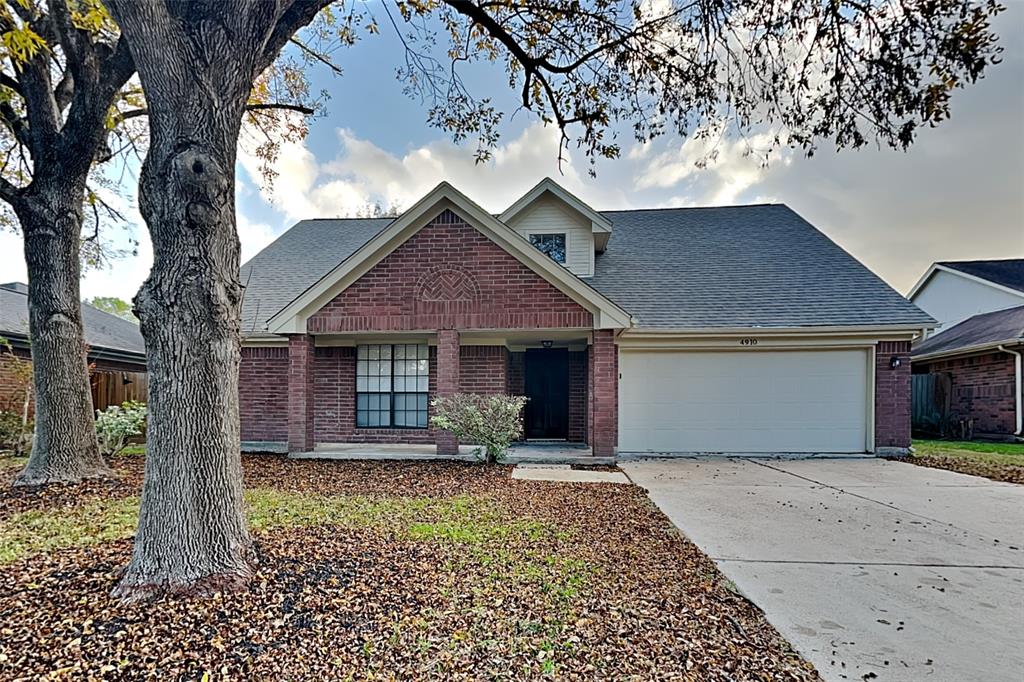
pixel 990 453
pixel 462 520
pixel 13 462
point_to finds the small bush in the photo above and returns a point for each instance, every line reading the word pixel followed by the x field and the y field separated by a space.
pixel 116 424
pixel 15 433
pixel 491 422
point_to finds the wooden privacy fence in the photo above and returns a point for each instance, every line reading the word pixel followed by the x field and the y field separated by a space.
pixel 929 405
pixel 113 388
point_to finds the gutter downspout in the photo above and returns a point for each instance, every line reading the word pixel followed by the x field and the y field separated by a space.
pixel 1017 388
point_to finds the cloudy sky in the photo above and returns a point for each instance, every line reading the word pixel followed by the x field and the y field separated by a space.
pixel 957 194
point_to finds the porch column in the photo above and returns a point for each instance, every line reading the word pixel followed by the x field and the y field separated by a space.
pixel 447 382
pixel 300 393
pixel 604 393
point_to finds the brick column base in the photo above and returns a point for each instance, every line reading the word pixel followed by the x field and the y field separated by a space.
pixel 300 393
pixel 447 383
pixel 604 394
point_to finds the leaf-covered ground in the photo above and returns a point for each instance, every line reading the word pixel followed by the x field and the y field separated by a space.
pixel 998 461
pixel 372 570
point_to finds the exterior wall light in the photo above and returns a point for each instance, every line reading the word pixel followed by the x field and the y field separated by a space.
pixel 894 362
pixel 546 344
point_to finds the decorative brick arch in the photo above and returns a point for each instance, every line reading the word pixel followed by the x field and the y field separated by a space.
pixel 447 283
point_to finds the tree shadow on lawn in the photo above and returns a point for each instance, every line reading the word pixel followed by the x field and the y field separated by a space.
pixel 416 570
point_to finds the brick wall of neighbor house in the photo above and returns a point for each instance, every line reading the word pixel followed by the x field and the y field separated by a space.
pixel 334 410
pixel 982 389
pixel 483 369
pixel 12 394
pixel 449 276
pixel 263 393
pixel 892 395
pixel 577 396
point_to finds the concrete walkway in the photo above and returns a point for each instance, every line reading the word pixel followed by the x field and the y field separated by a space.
pixel 865 566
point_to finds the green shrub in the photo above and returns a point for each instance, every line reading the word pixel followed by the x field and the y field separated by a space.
pixel 491 422
pixel 116 424
pixel 15 433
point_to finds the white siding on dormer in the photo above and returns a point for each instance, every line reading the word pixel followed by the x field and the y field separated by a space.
pixel 548 215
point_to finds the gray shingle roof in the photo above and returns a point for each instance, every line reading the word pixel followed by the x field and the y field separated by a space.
pixel 740 266
pixel 1009 273
pixel 296 260
pixel 1002 326
pixel 685 268
pixel 103 331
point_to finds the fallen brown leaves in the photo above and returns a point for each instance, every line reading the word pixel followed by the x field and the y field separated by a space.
pixel 1008 473
pixel 572 581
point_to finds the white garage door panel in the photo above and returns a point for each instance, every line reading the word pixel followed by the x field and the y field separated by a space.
pixel 744 401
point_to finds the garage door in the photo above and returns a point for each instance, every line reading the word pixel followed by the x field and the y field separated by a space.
pixel 752 401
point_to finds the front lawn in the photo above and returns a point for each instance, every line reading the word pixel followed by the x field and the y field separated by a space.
pixel 998 461
pixel 384 571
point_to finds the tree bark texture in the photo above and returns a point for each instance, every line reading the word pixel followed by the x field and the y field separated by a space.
pixel 197 67
pixel 65 449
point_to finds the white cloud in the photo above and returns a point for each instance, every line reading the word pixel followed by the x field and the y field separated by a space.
pixel 363 173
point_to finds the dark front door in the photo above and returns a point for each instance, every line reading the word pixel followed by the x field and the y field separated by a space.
pixel 547 387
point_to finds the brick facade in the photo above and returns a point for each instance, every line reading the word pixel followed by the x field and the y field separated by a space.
pixel 263 393
pixel 982 390
pixel 892 395
pixel 604 394
pixel 301 354
pixel 483 369
pixel 449 276
pixel 578 396
pixel 448 356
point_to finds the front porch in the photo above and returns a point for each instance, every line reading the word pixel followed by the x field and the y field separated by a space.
pixel 369 396
pixel 519 453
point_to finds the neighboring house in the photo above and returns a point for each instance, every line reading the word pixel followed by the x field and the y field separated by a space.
pixel 981 357
pixel 116 351
pixel 732 329
pixel 952 291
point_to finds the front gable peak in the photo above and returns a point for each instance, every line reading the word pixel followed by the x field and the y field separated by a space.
pixel 444 204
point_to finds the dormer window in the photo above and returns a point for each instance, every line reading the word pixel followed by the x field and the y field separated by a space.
pixel 551 244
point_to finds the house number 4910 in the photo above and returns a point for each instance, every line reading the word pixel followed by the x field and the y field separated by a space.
pixel 748 342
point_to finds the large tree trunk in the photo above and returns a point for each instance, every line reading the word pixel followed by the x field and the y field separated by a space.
pixel 197 63
pixel 65 448
pixel 192 535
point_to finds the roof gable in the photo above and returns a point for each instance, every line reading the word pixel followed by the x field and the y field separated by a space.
pixel 1003 275
pixel 448 275
pixel 293 317
pixel 600 225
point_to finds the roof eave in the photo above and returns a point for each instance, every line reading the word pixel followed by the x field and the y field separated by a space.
pixel 967 350
pixel 867 329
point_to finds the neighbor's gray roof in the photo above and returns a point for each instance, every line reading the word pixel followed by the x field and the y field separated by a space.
pixel 103 331
pixel 987 329
pixel 684 268
pixel 1008 273
pixel 740 266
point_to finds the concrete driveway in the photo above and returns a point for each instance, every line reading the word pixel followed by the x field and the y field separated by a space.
pixel 864 565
